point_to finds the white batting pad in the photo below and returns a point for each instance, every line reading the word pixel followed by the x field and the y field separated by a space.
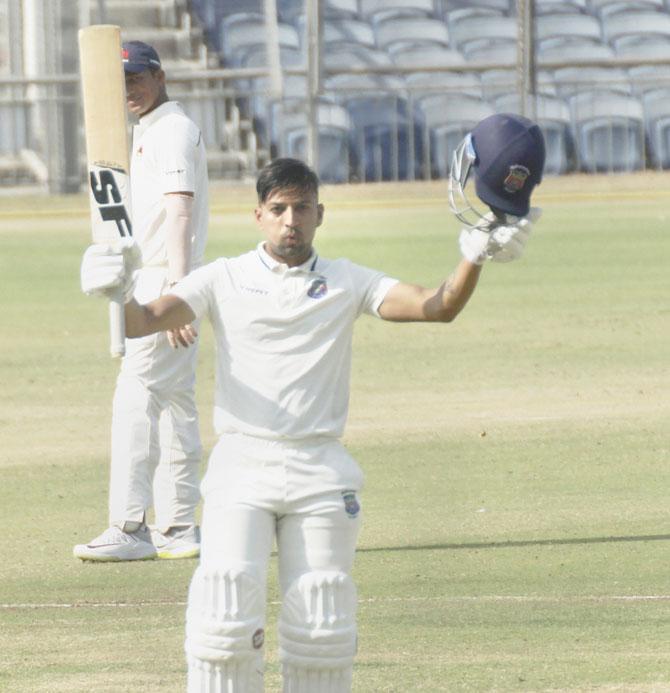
pixel 317 633
pixel 224 632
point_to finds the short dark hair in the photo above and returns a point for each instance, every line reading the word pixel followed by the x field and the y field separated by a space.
pixel 285 173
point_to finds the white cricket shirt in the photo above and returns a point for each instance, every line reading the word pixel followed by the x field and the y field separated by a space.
pixel 283 338
pixel 168 156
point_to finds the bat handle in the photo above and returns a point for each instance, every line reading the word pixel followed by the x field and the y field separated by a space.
pixel 117 325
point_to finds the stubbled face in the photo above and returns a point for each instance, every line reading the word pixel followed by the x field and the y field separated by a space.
pixel 289 219
pixel 144 91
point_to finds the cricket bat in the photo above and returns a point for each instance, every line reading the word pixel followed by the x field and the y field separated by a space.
pixel 106 125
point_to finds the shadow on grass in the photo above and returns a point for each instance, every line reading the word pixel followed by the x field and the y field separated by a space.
pixel 517 543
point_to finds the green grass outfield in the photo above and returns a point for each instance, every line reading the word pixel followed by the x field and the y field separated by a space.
pixel 517 515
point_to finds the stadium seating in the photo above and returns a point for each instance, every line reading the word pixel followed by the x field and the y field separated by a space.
pixel 401 32
pixel 378 10
pixel 621 26
pixel 553 117
pixel 570 81
pixel 345 30
pixel 403 124
pixel 447 120
pixel 422 82
pixel 609 132
pixel 648 77
pixel 246 31
pixel 656 105
pixel 474 32
pixel 384 134
pixel 550 7
pixel 553 29
pixel 334 126
pixel 604 8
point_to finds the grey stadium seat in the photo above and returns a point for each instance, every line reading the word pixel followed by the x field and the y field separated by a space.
pixel 608 132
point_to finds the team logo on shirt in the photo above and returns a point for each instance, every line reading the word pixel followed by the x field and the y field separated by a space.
pixel 318 288
pixel 351 505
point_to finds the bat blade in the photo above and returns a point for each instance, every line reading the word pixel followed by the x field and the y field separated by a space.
pixel 106 127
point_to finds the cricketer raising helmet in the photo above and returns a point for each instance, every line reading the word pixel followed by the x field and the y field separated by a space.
pixel 505 153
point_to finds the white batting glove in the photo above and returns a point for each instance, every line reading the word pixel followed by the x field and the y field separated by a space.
pixel 501 243
pixel 474 244
pixel 105 268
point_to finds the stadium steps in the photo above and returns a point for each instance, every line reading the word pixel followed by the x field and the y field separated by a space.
pixel 181 43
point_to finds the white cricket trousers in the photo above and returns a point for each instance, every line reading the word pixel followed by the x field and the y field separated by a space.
pixel 304 496
pixel 156 449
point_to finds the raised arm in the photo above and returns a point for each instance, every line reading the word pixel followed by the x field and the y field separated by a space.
pixel 410 302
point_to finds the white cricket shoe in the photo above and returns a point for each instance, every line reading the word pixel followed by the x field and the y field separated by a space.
pixel 116 545
pixel 177 542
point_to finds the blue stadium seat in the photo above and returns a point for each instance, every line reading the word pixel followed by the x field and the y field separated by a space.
pixel 618 28
pixel 648 77
pixel 261 103
pixel 422 82
pixel 334 127
pixel 608 131
pixel 377 10
pixel 385 135
pixel 554 28
pixel 447 120
pixel 570 81
pixel 455 15
pixel 500 80
pixel 543 7
pixel 656 106
pixel 498 6
pixel 605 8
pixel 340 8
pixel 241 33
pixel 479 32
pixel 553 117
pixel 345 30
pixel 399 32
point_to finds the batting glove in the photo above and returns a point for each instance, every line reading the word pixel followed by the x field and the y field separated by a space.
pixel 105 268
pixel 498 243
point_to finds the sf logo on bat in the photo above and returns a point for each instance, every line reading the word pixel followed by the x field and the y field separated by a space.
pixel 109 187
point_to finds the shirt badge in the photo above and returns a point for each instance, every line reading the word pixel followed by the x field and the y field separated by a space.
pixel 318 288
pixel 351 505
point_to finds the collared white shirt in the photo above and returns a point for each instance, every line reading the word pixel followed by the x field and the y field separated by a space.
pixel 168 156
pixel 283 338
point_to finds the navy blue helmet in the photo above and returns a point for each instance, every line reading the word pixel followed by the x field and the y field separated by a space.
pixel 505 154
